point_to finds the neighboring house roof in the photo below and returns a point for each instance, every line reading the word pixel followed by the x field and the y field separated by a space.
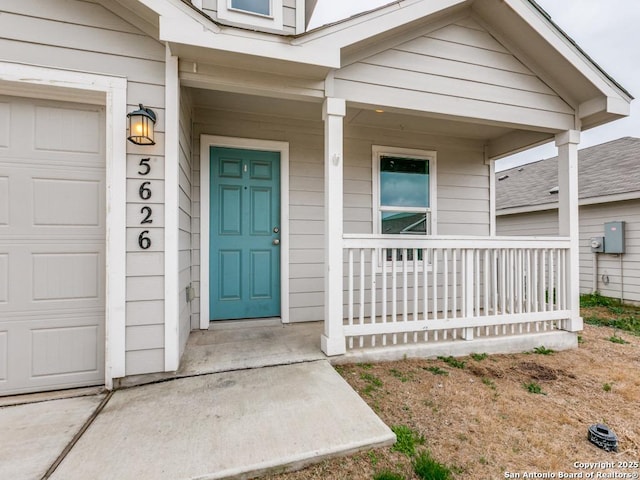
pixel 606 172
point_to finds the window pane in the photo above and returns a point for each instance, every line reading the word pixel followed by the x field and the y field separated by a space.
pixel 255 6
pixel 404 182
pixel 409 223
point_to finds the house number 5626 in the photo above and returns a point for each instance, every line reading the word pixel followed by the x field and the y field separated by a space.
pixel 144 241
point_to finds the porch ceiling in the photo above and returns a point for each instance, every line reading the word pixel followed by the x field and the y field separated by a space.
pixel 357 115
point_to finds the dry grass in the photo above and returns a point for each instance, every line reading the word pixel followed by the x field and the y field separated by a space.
pixel 481 420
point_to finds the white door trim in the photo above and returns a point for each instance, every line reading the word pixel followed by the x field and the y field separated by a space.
pixel 207 141
pixel 57 84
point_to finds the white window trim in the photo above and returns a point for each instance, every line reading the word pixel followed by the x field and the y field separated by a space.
pixel 379 151
pixel 206 142
pixel 110 91
pixel 275 21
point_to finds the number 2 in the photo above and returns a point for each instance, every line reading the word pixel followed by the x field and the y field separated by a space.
pixel 146 211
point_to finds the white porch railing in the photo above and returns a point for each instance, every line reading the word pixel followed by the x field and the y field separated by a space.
pixel 401 290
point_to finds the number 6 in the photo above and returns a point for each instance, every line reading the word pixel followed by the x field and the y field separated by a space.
pixel 143 241
pixel 145 191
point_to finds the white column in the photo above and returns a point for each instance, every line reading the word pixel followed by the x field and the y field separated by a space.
pixel 567 143
pixel 171 178
pixel 333 341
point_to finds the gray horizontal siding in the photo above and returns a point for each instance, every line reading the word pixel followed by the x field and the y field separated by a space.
pixel 461 63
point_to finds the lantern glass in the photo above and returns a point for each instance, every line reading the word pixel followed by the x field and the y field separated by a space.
pixel 141 123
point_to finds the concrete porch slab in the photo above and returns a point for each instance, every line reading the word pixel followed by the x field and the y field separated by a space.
pixel 34 434
pixel 226 425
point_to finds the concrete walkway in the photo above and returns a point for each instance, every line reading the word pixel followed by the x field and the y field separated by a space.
pixel 34 434
pixel 225 425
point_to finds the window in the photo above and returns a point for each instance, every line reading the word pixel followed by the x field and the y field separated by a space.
pixel 404 181
pixel 264 14
pixel 261 7
pixel 403 194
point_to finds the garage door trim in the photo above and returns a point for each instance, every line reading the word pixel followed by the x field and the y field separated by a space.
pixel 110 91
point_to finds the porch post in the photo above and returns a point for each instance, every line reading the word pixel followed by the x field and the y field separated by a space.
pixel 567 143
pixel 333 112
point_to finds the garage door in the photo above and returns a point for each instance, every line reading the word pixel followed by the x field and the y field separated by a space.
pixel 52 245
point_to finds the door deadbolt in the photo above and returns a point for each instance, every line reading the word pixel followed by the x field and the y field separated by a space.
pixel 276 229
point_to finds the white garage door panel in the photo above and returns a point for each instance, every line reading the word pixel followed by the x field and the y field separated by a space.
pixel 66 202
pixel 4 201
pixel 4 360
pixel 5 124
pixel 52 245
pixel 67 130
pixel 66 276
pixel 4 278
pixel 51 355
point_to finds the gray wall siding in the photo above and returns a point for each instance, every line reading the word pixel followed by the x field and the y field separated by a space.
pixel 462 176
pixel 184 216
pixel 544 223
pixel 84 36
pixel 622 272
pixel 443 67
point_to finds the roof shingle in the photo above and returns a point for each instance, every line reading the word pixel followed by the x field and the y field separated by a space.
pixel 607 169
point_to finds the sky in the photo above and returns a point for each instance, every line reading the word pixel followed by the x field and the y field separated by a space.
pixel 607 30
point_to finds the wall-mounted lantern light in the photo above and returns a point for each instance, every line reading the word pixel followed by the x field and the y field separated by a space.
pixel 141 124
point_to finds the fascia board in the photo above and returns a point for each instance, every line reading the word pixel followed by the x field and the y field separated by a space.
pixel 609 105
pixel 561 43
pixel 376 22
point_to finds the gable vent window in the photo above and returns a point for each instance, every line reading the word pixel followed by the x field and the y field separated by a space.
pixel 260 7
pixel 267 15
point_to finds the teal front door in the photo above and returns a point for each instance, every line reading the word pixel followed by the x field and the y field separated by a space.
pixel 245 234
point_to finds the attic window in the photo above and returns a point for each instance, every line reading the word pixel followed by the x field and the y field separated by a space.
pixel 554 191
pixel 264 15
pixel 260 7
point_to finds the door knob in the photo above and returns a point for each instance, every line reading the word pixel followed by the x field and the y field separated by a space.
pixel 276 241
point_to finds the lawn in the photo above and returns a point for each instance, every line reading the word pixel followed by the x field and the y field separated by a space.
pixel 493 416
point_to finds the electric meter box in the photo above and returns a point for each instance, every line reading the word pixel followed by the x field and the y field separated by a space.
pixel 614 237
pixel 597 244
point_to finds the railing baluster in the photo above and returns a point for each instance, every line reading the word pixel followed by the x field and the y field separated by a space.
pixel 405 291
pixel 445 283
pixel 487 293
pixel 434 271
pixel 350 294
pixel 373 292
pixel 476 262
pixel 463 282
pixel 494 270
pixel 384 292
pixel 534 281
pixel 454 276
pixel 550 293
pixel 416 290
pixel 394 291
pixel 362 294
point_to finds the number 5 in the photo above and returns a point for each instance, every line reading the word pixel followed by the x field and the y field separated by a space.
pixel 145 163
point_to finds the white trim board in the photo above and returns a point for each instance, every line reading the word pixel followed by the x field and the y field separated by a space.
pixel 206 142
pixel 111 92
pixel 171 179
